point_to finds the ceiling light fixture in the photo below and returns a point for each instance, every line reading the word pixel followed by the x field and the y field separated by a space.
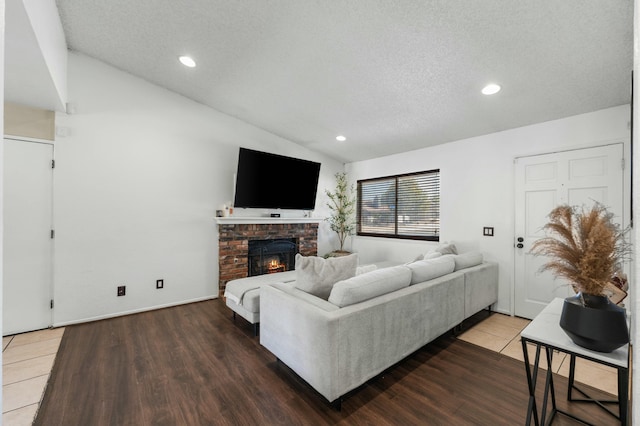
pixel 341 138
pixel 490 89
pixel 187 61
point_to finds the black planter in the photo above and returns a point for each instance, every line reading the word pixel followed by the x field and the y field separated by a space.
pixel 599 326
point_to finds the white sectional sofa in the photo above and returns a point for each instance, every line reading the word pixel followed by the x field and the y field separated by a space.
pixel 371 321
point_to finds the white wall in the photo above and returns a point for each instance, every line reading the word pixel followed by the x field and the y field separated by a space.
pixel 35 55
pixel 45 22
pixel 477 185
pixel 634 330
pixel 2 29
pixel 138 178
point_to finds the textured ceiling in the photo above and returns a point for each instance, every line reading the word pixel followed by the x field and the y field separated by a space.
pixel 391 76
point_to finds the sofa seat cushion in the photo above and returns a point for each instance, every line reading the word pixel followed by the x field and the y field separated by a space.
pixel 238 289
pixel 367 286
pixel 317 275
pixel 251 300
pixel 425 270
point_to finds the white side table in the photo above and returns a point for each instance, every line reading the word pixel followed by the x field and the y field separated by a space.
pixel 545 332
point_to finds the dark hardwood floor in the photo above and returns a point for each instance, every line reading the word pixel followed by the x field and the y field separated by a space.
pixel 193 365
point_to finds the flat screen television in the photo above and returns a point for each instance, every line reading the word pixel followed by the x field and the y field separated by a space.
pixel 272 181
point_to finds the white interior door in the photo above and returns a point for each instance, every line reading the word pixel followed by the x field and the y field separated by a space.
pixel 578 177
pixel 27 275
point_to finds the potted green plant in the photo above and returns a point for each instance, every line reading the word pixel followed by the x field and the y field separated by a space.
pixel 587 248
pixel 342 203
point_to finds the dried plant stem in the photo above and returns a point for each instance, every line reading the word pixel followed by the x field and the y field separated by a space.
pixel 586 247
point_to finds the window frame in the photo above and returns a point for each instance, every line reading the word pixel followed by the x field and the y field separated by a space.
pixel 395 235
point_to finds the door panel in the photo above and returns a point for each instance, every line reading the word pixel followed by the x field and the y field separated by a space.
pixel 578 178
pixel 27 273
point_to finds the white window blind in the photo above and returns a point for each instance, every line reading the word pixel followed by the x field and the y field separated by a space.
pixel 404 206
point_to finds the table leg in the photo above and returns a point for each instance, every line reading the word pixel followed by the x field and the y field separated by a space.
pixel 549 388
pixel 572 376
pixel 531 382
pixel 623 394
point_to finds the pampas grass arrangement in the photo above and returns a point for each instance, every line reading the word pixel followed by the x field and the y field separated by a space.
pixel 586 247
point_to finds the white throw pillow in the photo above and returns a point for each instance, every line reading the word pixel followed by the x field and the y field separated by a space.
pixel 317 275
pixel 365 268
pixel 446 248
pixel 425 270
pixel 370 285
pixel 467 260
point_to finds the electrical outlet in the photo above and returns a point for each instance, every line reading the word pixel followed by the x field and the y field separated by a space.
pixel 122 290
pixel 159 283
pixel 487 231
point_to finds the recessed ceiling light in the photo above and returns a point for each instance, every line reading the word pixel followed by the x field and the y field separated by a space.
pixel 341 138
pixel 187 61
pixel 490 89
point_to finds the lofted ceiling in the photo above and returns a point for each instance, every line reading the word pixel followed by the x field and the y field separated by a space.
pixel 391 76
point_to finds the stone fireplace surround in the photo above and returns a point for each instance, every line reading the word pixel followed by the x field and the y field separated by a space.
pixel 234 234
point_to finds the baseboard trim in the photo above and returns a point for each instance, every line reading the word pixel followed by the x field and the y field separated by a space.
pixel 134 311
pixel 502 311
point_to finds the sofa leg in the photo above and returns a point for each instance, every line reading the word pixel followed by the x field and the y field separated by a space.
pixel 337 404
pixel 234 316
pixel 256 328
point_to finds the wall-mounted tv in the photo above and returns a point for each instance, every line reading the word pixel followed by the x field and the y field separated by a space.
pixel 272 181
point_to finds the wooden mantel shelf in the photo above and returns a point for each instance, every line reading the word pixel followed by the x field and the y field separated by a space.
pixel 239 220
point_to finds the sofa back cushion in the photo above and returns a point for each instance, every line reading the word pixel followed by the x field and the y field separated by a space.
pixel 467 260
pixel 372 284
pixel 317 275
pixel 430 255
pixel 290 288
pixel 425 270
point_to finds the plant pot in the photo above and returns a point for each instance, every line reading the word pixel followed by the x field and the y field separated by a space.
pixel 599 326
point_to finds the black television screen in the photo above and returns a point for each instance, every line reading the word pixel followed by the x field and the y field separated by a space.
pixel 273 181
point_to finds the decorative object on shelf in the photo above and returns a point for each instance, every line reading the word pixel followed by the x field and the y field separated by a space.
pixel 587 248
pixel 228 209
pixel 617 289
pixel 342 203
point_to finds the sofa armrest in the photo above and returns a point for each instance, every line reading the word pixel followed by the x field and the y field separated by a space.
pixel 480 287
pixel 301 335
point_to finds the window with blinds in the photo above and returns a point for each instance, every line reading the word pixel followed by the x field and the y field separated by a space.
pixel 404 206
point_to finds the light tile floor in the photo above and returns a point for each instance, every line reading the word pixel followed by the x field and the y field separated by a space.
pixel 501 333
pixel 27 360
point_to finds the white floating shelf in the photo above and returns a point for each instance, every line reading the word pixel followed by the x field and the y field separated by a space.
pixel 235 220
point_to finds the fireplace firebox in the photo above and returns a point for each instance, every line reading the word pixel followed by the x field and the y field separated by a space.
pixel 271 256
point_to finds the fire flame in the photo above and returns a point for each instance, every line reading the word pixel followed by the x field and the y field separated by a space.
pixel 275 266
